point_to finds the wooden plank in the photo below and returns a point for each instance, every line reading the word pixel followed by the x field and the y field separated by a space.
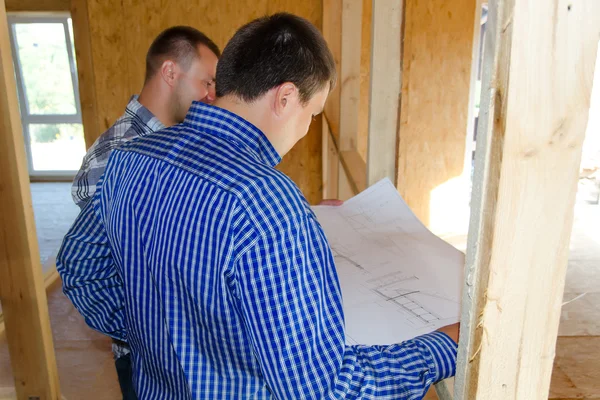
pixel 356 170
pixel 22 294
pixel 436 71
pixel 346 191
pixel 332 31
pixel 85 71
pixel 350 74
pixel 365 79
pixel 331 162
pixel 37 5
pixel 529 149
pixel 386 70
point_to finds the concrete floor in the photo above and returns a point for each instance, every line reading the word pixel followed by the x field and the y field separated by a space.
pixel 85 363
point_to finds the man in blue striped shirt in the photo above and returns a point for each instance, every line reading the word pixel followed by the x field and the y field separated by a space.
pixel 210 262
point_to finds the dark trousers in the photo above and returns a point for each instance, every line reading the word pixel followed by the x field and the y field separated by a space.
pixel 124 372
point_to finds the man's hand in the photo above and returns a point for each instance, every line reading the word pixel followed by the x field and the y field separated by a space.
pixel 451 330
pixel 331 202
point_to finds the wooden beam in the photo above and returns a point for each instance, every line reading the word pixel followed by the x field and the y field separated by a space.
pixel 350 74
pixel 85 71
pixel 331 162
pixel 365 79
pixel 37 5
pixel 386 70
pixel 528 154
pixel 22 294
pixel 332 32
pixel 356 170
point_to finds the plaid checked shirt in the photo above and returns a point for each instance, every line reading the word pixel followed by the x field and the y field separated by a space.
pixel 136 121
pixel 211 264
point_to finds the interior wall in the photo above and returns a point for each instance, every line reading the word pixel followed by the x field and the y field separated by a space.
pixel 438 43
pixel 121 32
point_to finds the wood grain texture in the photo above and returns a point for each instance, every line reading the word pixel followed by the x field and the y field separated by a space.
pixel 109 33
pixel 436 72
pixel 350 74
pixel 332 31
pixel 37 5
pixel 85 71
pixel 331 163
pixel 22 292
pixel 385 89
pixel 528 157
pixel 366 46
pixel 123 30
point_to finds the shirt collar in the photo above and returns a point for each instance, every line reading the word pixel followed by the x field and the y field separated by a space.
pixel 135 107
pixel 231 127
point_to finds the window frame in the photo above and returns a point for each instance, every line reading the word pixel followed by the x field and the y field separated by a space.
pixel 27 118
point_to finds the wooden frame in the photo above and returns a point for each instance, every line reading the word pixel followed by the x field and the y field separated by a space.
pixel 24 303
pixel 342 117
pixel 528 154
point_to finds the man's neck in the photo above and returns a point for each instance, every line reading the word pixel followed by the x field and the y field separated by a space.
pixel 156 102
pixel 251 112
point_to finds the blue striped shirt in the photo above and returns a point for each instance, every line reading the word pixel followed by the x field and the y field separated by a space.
pixel 211 264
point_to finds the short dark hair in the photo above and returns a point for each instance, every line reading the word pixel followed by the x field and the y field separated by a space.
pixel 178 43
pixel 273 50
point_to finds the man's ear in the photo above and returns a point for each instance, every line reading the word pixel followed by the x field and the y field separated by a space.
pixel 168 72
pixel 285 95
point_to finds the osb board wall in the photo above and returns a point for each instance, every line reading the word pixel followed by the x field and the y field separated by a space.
pixel 121 32
pixel 436 70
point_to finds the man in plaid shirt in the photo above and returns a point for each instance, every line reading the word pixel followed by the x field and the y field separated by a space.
pixel 180 68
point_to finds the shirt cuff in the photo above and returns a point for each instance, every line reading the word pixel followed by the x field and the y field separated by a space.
pixel 442 350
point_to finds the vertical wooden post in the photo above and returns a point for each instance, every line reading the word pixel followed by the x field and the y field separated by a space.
pixel 350 74
pixel 331 163
pixel 386 71
pixel 528 153
pixel 85 71
pixel 22 291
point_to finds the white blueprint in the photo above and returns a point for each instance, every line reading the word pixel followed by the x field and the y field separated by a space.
pixel 398 279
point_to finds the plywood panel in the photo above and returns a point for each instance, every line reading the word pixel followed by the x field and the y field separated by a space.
pixel 119 48
pixel 110 54
pixel 436 71
pixel 22 294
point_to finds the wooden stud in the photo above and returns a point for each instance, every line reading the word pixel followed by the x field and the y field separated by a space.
pixel 331 163
pixel 24 303
pixel 528 154
pixel 386 70
pixel 332 32
pixel 350 74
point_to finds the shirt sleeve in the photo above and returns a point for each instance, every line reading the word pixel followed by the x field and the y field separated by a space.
pixel 291 303
pixel 90 278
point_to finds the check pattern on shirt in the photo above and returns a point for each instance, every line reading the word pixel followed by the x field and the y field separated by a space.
pixel 211 264
pixel 135 122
